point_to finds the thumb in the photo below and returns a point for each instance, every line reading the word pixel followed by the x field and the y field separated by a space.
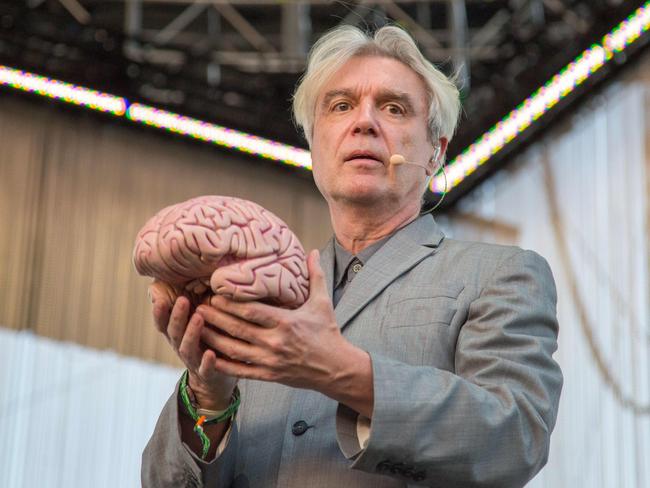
pixel 159 290
pixel 317 284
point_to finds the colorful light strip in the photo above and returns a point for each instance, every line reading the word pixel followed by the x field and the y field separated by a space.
pixel 76 95
pixel 462 166
pixel 217 134
pixel 544 99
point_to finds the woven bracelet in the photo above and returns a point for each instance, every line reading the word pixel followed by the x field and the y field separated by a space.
pixel 200 419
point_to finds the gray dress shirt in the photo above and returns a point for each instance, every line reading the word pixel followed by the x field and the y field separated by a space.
pixel 348 265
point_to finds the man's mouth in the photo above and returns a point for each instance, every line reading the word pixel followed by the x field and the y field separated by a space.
pixel 364 155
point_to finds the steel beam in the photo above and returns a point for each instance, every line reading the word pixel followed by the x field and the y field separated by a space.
pixel 179 23
pixel 247 31
pixel 77 10
pixel 296 29
pixel 457 21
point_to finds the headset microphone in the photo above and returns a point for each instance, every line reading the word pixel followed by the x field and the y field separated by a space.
pixel 397 159
pixel 436 153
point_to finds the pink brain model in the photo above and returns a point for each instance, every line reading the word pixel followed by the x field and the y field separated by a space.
pixel 226 246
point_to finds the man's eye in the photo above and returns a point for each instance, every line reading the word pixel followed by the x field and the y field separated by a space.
pixel 395 109
pixel 341 107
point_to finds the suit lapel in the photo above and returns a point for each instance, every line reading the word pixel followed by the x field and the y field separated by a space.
pixel 406 248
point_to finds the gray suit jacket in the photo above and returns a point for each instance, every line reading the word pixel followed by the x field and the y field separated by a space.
pixel 465 389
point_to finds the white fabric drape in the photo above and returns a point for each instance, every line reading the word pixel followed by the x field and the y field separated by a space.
pixel 72 416
pixel 580 198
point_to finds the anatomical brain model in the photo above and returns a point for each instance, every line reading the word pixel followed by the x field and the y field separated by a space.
pixel 223 245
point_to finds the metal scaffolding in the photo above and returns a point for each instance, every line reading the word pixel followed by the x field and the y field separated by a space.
pixel 237 61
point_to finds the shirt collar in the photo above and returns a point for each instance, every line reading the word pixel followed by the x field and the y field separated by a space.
pixel 343 258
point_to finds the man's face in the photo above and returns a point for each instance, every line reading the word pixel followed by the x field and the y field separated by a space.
pixel 372 108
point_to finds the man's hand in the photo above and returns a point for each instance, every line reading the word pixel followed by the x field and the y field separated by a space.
pixel 302 348
pixel 212 388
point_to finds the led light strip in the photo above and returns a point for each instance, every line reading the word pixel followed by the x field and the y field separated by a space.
pixel 543 99
pixel 219 135
pixel 471 158
pixel 76 95
pixel 104 102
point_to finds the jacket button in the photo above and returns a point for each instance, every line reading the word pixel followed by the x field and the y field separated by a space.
pixel 300 427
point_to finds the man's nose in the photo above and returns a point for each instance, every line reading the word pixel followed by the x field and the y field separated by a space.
pixel 366 121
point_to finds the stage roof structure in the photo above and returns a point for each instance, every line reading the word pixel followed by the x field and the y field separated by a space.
pixel 205 66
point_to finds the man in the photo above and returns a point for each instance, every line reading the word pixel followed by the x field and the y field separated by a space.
pixel 417 360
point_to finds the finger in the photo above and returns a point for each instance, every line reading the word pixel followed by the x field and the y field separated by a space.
pixel 241 370
pixel 232 347
pixel 231 324
pixel 156 291
pixel 190 349
pixel 178 321
pixel 317 283
pixel 161 313
pixel 160 290
pixel 206 368
pixel 253 312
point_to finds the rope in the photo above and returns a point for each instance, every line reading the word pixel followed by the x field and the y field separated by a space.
pixel 596 353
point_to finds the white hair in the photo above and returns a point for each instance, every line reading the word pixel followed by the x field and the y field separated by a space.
pixel 340 44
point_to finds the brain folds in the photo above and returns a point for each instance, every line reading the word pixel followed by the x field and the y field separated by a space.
pixel 224 245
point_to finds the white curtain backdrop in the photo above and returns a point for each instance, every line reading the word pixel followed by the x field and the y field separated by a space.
pixel 72 416
pixel 580 198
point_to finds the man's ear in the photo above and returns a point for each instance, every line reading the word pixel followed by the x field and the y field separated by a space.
pixel 439 150
pixel 443 143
